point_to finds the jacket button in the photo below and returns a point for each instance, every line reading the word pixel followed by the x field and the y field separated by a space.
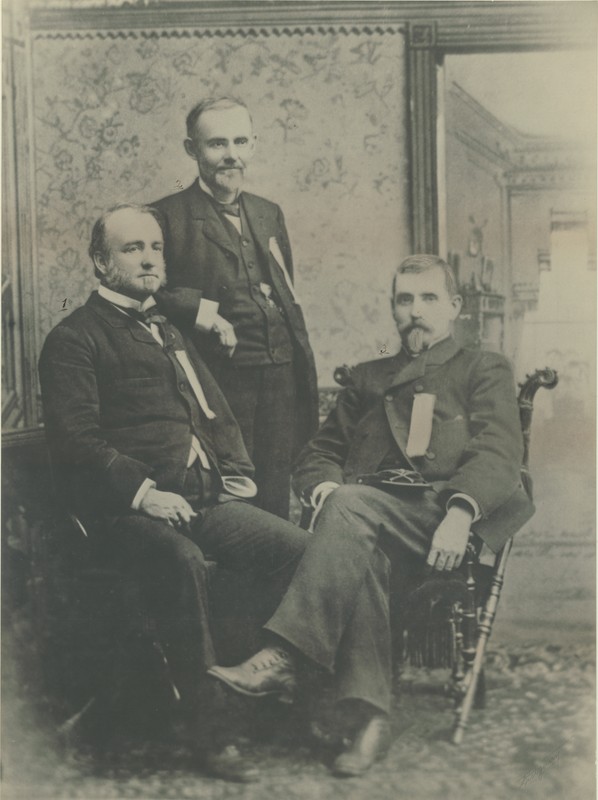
pixel 244 242
pixel 182 386
pixel 388 397
pixel 419 387
pixel 430 455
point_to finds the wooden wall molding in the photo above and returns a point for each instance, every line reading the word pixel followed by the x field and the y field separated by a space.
pixel 496 25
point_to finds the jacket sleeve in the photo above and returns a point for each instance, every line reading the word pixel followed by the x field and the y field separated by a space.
pixel 180 305
pixel 72 420
pixel 324 457
pixel 490 464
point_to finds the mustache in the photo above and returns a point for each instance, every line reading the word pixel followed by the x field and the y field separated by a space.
pixel 414 327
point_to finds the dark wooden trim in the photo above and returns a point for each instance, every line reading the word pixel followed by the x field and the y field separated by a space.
pixel 503 24
pixel 421 67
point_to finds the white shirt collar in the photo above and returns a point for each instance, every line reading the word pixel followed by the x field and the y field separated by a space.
pixel 122 301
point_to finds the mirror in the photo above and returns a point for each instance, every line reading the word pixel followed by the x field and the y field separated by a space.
pixel 516 176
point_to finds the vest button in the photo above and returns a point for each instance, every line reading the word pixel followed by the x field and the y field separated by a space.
pixel 244 242
pixel 182 386
pixel 250 264
pixel 388 397
pixel 430 455
pixel 419 387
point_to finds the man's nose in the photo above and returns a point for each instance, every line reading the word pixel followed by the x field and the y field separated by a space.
pixel 231 153
pixel 149 259
pixel 416 309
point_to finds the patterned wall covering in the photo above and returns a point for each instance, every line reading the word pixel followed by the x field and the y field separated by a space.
pixel 329 111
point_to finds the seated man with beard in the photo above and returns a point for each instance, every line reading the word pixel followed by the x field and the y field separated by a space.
pixel 445 420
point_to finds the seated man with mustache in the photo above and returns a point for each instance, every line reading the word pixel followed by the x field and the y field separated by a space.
pixel 445 420
pixel 147 451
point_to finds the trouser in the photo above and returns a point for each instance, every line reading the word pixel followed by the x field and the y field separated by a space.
pixel 263 401
pixel 169 566
pixel 336 609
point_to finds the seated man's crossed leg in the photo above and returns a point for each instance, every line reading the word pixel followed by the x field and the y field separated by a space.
pixel 335 612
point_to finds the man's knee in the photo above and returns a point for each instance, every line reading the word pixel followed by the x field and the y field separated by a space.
pixel 154 541
pixel 349 501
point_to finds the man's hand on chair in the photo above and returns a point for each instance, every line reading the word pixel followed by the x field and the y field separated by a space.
pixel 450 540
pixel 167 506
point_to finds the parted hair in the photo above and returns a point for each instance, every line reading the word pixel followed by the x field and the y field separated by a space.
pixel 98 244
pixel 422 262
pixel 207 104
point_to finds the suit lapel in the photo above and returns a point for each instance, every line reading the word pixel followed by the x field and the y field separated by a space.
pixel 212 224
pixel 262 224
pixel 118 319
pixel 399 418
pixel 416 367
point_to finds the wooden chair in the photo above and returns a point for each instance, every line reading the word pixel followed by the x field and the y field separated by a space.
pixel 446 620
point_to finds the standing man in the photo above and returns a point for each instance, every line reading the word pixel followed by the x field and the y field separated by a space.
pixel 233 247
pixel 444 422
pixel 144 445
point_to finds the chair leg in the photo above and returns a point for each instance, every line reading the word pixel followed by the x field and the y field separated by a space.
pixel 479 700
pixel 484 631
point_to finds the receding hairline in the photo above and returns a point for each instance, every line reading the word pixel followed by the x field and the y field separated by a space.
pixel 99 244
pixel 213 104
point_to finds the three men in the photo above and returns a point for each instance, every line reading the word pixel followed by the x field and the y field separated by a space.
pixel 146 448
pixel 233 247
pixel 420 448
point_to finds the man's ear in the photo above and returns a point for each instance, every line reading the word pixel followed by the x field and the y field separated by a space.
pixel 99 263
pixel 456 302
pixel 189 146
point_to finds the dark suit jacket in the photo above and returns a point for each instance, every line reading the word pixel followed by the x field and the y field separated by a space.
pixel 115 413
pixel 476 444
pixel 199 255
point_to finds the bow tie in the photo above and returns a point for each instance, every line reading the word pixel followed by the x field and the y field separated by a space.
pixel 229 208
pixel 148 317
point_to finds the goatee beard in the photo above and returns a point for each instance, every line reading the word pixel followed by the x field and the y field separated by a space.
pixel 414 341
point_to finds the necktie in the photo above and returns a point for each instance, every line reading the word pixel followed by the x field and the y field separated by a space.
pixel 230 208
pixel 148 317
pixel 151 317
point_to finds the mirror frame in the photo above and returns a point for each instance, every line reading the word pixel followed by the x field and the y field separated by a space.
pixel 472 28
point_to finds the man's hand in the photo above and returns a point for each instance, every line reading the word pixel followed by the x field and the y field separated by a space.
pixel 450 540
pixel 167 506
pixel 226 334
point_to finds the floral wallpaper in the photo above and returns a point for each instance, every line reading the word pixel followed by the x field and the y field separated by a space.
pixel 329 111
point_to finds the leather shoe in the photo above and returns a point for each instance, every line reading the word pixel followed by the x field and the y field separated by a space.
pixel 228 765
pixel 370 745
pixel 271 671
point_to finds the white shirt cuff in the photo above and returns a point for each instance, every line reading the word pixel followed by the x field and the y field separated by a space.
pixel 141 492
pixel 467 499
pixel 206 315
